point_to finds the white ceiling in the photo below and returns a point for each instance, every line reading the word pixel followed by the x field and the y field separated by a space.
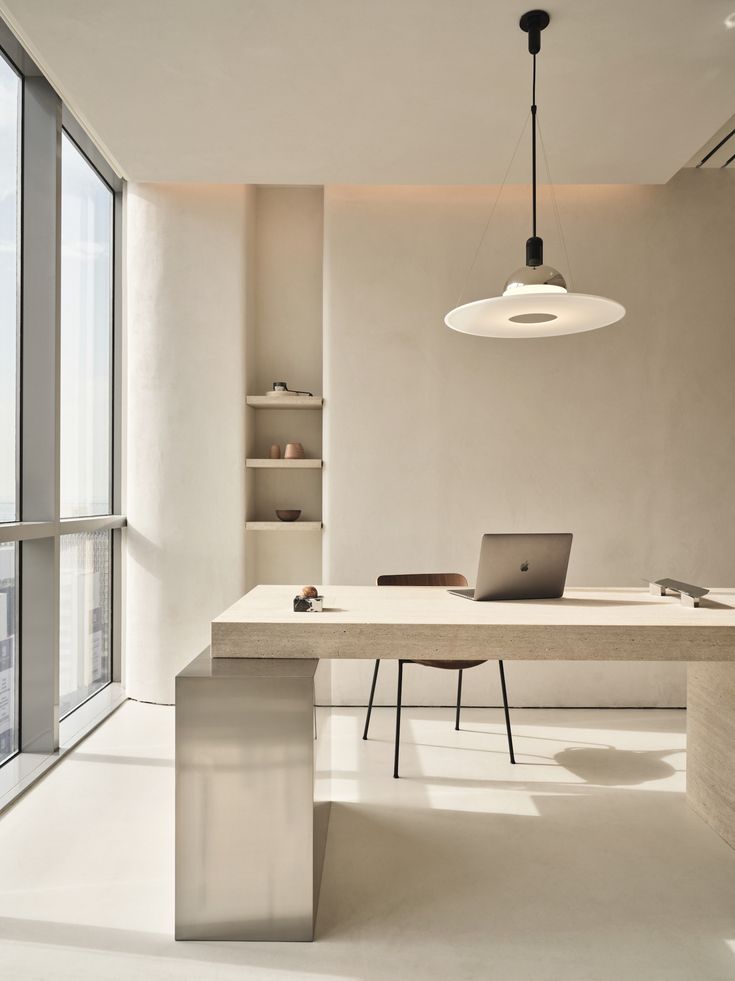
pixel 385 91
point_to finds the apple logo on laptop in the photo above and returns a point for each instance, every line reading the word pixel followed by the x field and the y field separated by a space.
pixel 524 566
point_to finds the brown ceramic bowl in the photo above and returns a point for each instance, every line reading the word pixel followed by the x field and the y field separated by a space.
pixel 289 515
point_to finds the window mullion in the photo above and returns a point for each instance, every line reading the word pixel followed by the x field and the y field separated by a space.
pixel 40 414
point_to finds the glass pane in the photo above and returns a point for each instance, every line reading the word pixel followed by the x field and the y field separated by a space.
pixel 84 617
pixel 86 336
pixel 9 255
pixel 8 652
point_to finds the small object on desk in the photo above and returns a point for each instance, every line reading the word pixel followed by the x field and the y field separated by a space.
pixel 294 451
pixel 288 514
pixel 309 601
pixel 688 594
pixel 275 452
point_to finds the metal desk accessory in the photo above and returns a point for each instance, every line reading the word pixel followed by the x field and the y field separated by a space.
pixel 688 594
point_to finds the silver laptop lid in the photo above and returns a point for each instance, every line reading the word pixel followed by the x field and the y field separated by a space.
pixel 529 566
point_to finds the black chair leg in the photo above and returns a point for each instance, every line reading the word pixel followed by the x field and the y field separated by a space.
pixel 507 713
pixel 398 717
pixel 459 698
pixel 370 702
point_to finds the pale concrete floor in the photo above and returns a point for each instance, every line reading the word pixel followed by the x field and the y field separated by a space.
pixel 583 863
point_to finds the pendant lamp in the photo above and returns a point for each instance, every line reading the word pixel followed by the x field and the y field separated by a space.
pixel 535 300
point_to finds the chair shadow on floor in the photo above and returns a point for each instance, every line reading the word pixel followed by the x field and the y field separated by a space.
pixel 610 767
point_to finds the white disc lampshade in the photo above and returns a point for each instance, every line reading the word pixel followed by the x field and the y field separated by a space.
pixel 534 312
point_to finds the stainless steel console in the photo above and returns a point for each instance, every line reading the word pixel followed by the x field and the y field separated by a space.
pixel 249 844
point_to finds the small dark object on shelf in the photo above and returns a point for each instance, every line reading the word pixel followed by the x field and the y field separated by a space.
pixel 283 387
pixel 288 515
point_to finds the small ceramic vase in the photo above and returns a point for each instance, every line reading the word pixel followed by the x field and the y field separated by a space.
pixel 275 452
pixel 294 451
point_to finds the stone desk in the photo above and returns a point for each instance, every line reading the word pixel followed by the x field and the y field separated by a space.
pixel 249 837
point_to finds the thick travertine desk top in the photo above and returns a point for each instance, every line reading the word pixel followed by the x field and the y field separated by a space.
pixel 428 622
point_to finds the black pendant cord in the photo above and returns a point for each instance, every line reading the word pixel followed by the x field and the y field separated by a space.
pixel 533 143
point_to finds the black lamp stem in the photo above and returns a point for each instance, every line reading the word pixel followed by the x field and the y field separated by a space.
pixel 533 143
pixel 533 22
pixel 535 244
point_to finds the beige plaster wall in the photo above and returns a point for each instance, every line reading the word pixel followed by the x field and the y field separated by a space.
pixel 625 436
pixel 188 278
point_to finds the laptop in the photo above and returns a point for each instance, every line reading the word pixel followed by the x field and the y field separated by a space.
pixel 521 567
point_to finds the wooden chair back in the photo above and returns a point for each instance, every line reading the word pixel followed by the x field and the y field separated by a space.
pixel 431 579
pixel 423 579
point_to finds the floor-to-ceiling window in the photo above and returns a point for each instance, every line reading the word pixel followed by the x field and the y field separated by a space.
pixel 86 336
pixel 87 247
pixel 60 494
pixel 10 120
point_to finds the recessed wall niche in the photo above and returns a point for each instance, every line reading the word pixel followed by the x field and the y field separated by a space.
pixel 285 344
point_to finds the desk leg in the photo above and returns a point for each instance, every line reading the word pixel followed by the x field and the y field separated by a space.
pixel 711 744
pixel 249 843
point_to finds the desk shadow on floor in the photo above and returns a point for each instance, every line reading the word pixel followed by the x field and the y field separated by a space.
pixel 615 767
pixel 516 887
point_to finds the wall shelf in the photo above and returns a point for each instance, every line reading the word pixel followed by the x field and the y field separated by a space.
pixel 284 464
pixel 285 402
pixel 283 526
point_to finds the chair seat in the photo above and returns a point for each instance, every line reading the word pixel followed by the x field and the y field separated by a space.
pixel 449 665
